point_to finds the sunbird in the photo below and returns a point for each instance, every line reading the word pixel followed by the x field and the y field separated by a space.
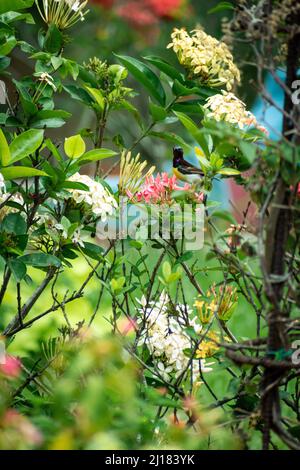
pixel 184 170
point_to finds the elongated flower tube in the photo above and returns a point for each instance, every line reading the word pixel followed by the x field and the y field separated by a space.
pixel 132 174
pixel 62 13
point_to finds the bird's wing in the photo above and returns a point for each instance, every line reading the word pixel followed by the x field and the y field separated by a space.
pixel 188 169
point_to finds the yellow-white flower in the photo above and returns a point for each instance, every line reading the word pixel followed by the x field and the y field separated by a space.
pixel 205 58
pixel 62 13
pixel 227 107
pixel 102 203
pixel 132 173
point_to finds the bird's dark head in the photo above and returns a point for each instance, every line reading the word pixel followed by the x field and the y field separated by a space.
pixel 177 156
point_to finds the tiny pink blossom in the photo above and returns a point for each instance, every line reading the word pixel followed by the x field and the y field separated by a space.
pixel 13 419
pixel 11 366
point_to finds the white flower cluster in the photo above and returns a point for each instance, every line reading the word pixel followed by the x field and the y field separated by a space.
pixel 227 107
pixel 62 13
pixel 102 203
pixel 205 57
pixel 166 339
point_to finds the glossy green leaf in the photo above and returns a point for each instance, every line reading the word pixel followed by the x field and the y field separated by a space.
pixel 144 75
pixel 14 5
pixel 53 149
pixel 49 118
pixel 229 172
pixel 97 96
pixel 97 154
pixel 158 113
pixel 15 172
pixel 221 7
pixel 171 137
pixel 4 150
pixel 8 46
pixel 26 144
pixel 40 260
pixel 53 39
pixel 74 146
pixel 14 223
pixel 193 130
pixel 164 67
pixel 248 150
pixel 79 94
pixel 18 269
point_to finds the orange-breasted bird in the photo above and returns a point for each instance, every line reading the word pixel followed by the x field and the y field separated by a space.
pixel 184 170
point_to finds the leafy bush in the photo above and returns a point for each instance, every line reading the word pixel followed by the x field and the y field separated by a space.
pixel 195 337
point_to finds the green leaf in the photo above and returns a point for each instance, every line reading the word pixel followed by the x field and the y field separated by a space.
pixel 170 137
pixel 13 16
pixel 158 113
pixel 164 67
pixel 193 130
pixel 15 172
pixel 4 63
pixel 4 150
pixel 97 96
pixel 14 5
pixel 9 44
pixel 74 146
pixel 248 150
pixel 78 94
pixel 40 260
pixel 224 215
pixel 144 75
pixel 75 185
pixel 229 171
pixel 53 39
pixel 53 149
pixel 117 284
pixel 179 89
pixel 166 270
pixel 92 251
pixel 191 333
pixel 204 163
pixel 26 100
pixel 26 144
pixel 97 154
pixel 18 269
pixel 189 106
pixel 14 223
pixel 221 7
pixel 185 257
pixel 49 118
pixel 56 62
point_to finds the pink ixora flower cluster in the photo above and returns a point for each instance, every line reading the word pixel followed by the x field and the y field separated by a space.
pixel 11 367
pixel 159 189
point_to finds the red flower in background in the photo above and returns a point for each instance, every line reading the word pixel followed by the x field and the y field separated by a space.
pixel 165 8
pixel 144 13
pixel 137 14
